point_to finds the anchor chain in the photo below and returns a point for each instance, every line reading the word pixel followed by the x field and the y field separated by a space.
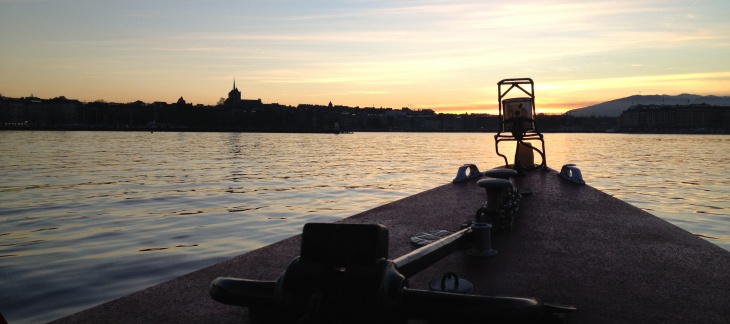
pixel 501 217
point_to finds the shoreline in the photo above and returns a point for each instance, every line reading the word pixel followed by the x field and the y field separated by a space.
pixel 327 131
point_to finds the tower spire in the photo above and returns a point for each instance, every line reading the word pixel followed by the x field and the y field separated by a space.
pixel 234 83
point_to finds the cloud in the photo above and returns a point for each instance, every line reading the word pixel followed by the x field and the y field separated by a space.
pixel 646 80
pixel 431 53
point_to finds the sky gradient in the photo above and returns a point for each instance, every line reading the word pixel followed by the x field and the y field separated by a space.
pixel 441 55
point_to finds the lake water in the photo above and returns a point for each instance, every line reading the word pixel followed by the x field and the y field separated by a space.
pixel 90 216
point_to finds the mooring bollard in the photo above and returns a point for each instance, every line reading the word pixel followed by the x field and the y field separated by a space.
pixel 482 234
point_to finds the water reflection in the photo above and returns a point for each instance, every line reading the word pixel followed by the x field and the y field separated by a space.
pixel 104 214
pixel 677 177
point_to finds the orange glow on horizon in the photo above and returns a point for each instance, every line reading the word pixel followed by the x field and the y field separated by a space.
pixel 444 56
pixel 542 106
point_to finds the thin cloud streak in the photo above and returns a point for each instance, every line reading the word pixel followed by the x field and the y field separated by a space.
pixel 395 53
pixel 651 80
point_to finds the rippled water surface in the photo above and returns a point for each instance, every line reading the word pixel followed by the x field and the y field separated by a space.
pixel 90 216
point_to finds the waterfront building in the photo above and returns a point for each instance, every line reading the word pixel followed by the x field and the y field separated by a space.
pixel 693 118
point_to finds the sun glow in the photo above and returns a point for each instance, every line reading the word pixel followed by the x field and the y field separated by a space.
pixel 446 56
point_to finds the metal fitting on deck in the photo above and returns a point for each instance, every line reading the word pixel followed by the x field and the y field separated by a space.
pixel 482 234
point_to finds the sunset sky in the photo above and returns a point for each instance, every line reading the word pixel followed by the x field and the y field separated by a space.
pixel 441 55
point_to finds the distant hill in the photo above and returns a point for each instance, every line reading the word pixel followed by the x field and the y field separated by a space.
pixel 614 108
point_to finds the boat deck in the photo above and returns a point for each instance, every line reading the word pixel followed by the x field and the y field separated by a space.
pixel 571 244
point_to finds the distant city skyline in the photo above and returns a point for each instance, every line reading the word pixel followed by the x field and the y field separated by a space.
pixel 440 55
